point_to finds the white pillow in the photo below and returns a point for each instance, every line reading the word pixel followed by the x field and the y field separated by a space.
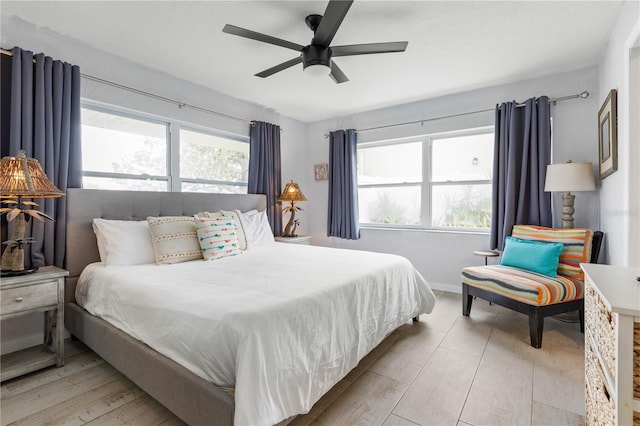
pixel 257 228
pixel 237 217
pixel 174 239
pixel 218 236
pixel 123 242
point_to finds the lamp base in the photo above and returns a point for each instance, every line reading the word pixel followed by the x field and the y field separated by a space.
pixel 567 210
pixel 10 273
pixel 290 229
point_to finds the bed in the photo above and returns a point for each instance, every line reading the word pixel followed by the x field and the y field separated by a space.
pixel 272 329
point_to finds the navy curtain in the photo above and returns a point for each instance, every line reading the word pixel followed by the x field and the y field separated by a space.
pixel 265 168
pixel 44 121
pixel 343 221
pixel 522 152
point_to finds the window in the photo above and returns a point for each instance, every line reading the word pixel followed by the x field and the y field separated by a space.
pixel 125 151
pixel 390 182
pixel 211 163
pixel 461 170
pixel 437 181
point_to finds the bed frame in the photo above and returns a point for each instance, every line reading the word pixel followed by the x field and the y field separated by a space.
pixel 188 396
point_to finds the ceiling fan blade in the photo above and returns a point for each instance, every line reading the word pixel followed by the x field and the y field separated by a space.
pixel 368 49
pixel 330 22
pixel 336 73
pixel 242 32
pixel 280 67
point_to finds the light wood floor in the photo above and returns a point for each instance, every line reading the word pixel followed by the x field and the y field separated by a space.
pixel 445 370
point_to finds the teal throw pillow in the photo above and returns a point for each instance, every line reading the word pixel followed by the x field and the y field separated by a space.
pixel 534 256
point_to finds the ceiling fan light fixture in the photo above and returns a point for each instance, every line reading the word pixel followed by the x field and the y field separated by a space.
pixel 316 57
pixel 317 70
pixel 316 60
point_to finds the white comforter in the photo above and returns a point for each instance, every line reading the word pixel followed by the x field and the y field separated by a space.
pixel 281 324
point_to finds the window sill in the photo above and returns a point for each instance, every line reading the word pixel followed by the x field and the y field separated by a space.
pixel 426 230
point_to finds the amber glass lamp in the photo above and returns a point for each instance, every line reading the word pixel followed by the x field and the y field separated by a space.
pixel 291 193
pixel 21 178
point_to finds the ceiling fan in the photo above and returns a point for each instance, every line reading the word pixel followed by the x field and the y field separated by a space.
pixel 317 57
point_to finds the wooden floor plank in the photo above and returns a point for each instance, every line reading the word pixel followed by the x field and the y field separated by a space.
pixel 51 394
pixel 368 401
pixel 558 376
pixel 545 415
pixel 501 393
pixel 142 411
pixel 413 348
pixel 83 408
pixel 438 394
pixel 394 420
pixel 73 365
pixel 469 335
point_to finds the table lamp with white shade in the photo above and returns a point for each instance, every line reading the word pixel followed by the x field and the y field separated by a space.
pixel 569 177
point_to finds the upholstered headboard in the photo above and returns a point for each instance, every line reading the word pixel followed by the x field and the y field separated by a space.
pixel 83 205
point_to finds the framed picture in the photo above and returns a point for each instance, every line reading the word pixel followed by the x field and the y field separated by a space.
pixel 608 135
pixel 321 171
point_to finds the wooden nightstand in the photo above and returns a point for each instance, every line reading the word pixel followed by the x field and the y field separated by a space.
pixel 41 291
pixel 300 239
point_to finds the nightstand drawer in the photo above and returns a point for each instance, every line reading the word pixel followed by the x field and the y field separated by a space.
pixel 20 299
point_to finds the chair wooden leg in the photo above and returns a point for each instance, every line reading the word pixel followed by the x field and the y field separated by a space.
pixel 536 324
pixel 466 300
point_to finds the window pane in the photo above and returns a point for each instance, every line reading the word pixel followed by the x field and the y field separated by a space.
pixel 210 157
pixel 116 144
pixel 214 188
pixel 462 158
pixel 89 182
pixel 398 205
pixel 461 206
pixel 397 163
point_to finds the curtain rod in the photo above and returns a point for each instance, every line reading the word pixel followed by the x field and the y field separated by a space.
pixel 583 95
pixel 151 95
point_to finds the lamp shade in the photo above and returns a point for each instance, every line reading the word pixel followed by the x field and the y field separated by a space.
pixel 569 177
pixel 23 177
pixel 317 70
pixel 291 192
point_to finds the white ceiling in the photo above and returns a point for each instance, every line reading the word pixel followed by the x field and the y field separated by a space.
pixel 454 46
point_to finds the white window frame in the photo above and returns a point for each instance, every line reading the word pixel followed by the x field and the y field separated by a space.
pixel 172 179
pixel 426 183
pixel 140 117
pixel 211 132
pixel 391 142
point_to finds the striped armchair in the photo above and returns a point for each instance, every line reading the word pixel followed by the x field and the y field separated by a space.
pixel 532 293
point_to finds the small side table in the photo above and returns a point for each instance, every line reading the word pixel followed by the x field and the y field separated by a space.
pixel 41 291
pixel 300 239
pixel 486 254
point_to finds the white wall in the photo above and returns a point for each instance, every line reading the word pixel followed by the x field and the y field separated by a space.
pixel 619 194
pixel 26 331
pixel 439 256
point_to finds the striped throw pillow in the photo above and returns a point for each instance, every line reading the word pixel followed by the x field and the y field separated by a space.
pixel 174 239
pixel 218 236
pixel 577 245
pixel 237 217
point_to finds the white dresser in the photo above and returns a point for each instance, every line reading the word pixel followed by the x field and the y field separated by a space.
pixel 612 345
